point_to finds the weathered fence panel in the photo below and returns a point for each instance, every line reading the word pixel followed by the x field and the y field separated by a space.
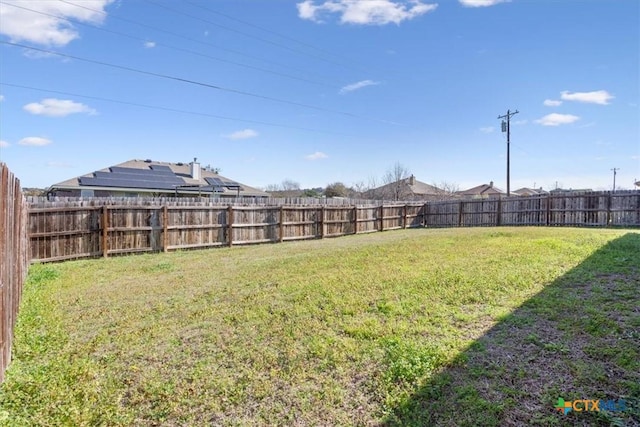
pixel 255 225
pixel 339 221
pixel 14 259
pixel 442 214
pixel 300 223
pixel 188 227
pixel 368 219
pixel 524 211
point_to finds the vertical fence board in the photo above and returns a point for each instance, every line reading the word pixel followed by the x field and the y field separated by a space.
pixel 14 259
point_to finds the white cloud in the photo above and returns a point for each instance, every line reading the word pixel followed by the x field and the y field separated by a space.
pixel 34 141
pixel 1 98
pixel 358 85
pixel 149 45
pixel 552 103
pixel 556 119
pixel 488 129
pixel 242 134
pixel 318 155
pixel 481 3
pixel 53 107
pixel 47 29
pixel 601 97
pixel 365 12
pixel 4 144
pixel 635 157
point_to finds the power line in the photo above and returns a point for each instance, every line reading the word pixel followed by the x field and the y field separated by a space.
pixel 192 52
pixel 194 82
pixel 267 30
pixel 262 39
pixel 173 110
pixel 191 39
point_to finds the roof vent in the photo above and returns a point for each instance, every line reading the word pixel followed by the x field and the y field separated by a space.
pixel 148 161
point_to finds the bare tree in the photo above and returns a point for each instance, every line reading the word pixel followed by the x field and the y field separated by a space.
pixel 446 190
pixel 395 181
pixel 272 187
pixel 285 185
pixel 290 185
pixel 358 189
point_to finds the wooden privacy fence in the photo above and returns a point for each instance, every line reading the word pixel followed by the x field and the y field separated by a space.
pixel 101 227
pixel 14 260
pixel 67 232
pixel 600 209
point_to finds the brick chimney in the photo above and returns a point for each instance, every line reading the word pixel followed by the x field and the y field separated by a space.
pixel 412 180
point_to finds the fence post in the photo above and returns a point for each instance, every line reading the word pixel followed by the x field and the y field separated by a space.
pixel 322 217
pixel 460 209
pixel 404 216
pixel 355 220
pixel 165 228
pixel 425 208
pixel 230 225
pixel 381 217
pixel 548 209
pixel 499 212
pixel 105 231
pixel 608 209
pixel 281 223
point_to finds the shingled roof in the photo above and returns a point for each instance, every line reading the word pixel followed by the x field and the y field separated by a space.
pixel 148 177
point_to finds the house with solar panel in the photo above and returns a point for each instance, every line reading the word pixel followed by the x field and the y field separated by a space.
pixel 148 178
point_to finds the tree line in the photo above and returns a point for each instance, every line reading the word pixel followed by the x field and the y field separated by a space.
pixel 395 184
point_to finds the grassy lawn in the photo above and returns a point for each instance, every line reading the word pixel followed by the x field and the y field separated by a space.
pixel 414 327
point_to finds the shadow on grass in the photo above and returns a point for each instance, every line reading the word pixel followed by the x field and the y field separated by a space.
pixel 577 339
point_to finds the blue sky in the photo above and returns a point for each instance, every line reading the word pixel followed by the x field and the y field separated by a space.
pixel 321 91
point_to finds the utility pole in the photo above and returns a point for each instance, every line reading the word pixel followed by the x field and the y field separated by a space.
pixel 506 127
pixel 615 170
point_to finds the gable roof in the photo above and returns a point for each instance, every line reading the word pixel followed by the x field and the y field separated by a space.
pixel 147 176
pixel 412 186
pixel 525 191
pixel 482 190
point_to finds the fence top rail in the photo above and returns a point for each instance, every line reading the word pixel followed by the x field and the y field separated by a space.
pixel 64 209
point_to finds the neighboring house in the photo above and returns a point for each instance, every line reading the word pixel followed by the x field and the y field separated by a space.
pixel 482 191
pixel 405 189
pixel 148 178
pixel 525 191
pixel 570 191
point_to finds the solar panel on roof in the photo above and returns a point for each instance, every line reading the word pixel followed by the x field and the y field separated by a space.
pixel 215 181
pixel 161 168
pixel 120 169
pixel 126 183
pixel 165 176
pixel 136 171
